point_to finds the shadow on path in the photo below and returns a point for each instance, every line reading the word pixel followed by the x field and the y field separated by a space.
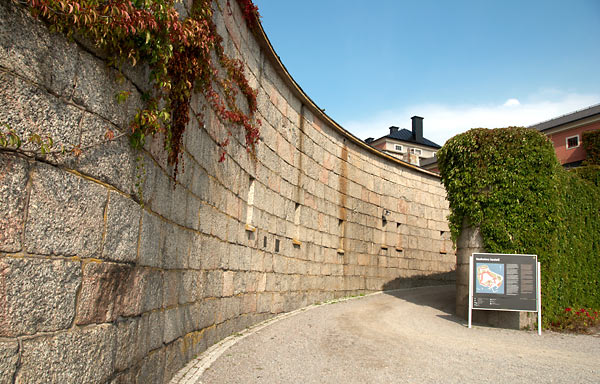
pixel 444 301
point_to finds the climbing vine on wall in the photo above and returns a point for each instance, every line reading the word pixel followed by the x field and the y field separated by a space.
pixel 509 183
pixel 184 55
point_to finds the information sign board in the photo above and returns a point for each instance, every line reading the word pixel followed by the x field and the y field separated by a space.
pixel 504 282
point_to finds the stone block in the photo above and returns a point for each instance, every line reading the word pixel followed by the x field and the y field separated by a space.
pixel 177 247
pixel 112 162
pixel 214 284
pixel 196 251
pixel 189 323
pixel 122 229
pixel 31 51
pixel 249 303
pixel 202 314
pixel 179 198
pixel 13 181
pixel 9 357
pixel 263 303
pixel 192 212
pixel 126 377
pixel 81 355
pixel 66 214
pixel 230 308
pixel 470 237
pixel 96 87
pixel 191 289
pixel 173 284
pixel 151 240
pixel 112 290
pixel 215 254
pixel 37 295
pixel 175 358
pixel 174 324
pixel 156 329
pixel 152 369
pixel 228 286
pixel 131 342
pixel 162 200
pixel 28 109
pixel 152 289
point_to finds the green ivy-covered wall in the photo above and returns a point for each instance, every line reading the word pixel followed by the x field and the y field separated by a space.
pixel 509 184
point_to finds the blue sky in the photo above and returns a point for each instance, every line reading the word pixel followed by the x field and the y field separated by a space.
pixel 458 64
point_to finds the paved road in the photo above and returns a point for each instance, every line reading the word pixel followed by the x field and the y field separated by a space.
pixel 408 336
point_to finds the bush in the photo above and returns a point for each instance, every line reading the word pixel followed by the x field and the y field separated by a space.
pixel 509 183
pixel 591 144
pixel 580 321
pixel 590 173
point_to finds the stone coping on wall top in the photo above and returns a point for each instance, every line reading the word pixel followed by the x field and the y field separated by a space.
pixel 265 43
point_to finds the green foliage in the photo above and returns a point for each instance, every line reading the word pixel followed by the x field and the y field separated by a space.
pixel 184 55
pixel 590 173
pixel 591 144
pixel 509 183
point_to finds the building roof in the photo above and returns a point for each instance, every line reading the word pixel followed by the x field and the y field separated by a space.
pixel 568 118
pixel 429 161
pixel 406 135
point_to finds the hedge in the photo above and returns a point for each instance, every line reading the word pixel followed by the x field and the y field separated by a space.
pixel 591 144
pixel 508 182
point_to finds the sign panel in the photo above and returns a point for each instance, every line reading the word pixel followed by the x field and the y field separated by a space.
pixel 504 282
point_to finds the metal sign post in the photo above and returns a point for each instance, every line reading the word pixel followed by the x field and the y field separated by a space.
pixel 539 297
pixel 506 283
pixel 470 289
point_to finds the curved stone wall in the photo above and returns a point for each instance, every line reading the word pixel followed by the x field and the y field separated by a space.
pixel 96 287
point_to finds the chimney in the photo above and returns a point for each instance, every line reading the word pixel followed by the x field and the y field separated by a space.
pixel 417 128
pixel 393 130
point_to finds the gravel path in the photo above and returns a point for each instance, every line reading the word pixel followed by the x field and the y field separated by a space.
pixel 407 336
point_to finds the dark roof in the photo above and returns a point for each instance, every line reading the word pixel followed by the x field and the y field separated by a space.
pixel 568 118
pixel 406 135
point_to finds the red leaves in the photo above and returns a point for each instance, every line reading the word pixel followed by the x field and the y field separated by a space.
pixel 250 13
pixel 109 135
pixel 580 321
pixel 179 53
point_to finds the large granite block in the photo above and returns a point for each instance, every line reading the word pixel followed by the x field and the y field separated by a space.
pixel 28 109
pixel 30 51
pixel 112 290
pixel 66 214
pixel 13 182
pixel 122 229
pixel 111 161
pixel 9 357
pixel 81 355
pixel 37 295
pixel 152 238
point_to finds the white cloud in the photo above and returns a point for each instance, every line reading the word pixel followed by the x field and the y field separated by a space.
pixel 512 103
pixel 442 121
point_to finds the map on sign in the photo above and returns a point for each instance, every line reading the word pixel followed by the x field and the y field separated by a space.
pixel 490 278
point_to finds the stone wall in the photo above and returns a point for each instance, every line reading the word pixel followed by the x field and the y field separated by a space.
pixel 96 287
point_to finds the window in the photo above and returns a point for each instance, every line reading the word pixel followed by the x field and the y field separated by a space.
pixel 573 142
pixel 250 205
pixel 415 151
pixel 341 231
pixel 398 148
